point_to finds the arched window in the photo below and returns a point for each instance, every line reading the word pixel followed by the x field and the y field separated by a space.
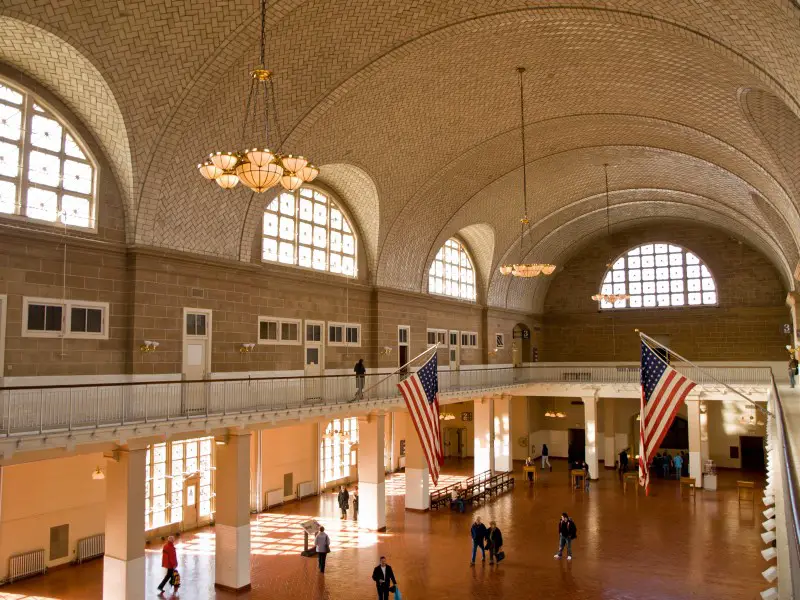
pixel 658 275
pixel 452 273
pixel 46 173
pixel 306 228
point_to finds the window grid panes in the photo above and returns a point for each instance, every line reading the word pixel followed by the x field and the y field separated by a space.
pixel 452 273
pixel 306 228
pixel 336 453
pixel 168 465
pixel 657 276
pixel 45 174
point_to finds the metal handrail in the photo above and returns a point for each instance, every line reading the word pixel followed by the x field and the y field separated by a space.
pixel 791 494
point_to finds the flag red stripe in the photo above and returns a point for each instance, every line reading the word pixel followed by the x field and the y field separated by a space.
pixel 663 403
pixel 418 409
pixel 654 446
pixel 425 410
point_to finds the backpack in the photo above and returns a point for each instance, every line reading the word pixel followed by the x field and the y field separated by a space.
pixel 176 579
pixel 573 530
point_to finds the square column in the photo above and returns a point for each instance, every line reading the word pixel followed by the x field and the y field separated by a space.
pixel 483 421
pixel 695 449
pixel 371 473
pixel 232 557
pixel 123 563
pixel 609 433
pixel 503 444
pixel 590 418
pixel 418 495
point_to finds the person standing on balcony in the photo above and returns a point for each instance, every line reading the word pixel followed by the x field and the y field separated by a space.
pixel 344 501
pixel 546 457
pixel 361 375
pixel 792 370
pixel 169 560
pixel 322 544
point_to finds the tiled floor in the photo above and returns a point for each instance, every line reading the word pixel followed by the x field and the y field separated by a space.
pixel 628 547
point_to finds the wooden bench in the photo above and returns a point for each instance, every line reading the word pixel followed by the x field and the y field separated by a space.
pixel 688 485
pixel 630 477
pixel 745 488
pixel 574 476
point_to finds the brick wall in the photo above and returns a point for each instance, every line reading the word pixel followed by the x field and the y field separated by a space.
pixel 747 324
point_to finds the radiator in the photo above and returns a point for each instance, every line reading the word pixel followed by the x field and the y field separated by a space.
pixel 305 489
pixel 274 497
pixel 90 547
pixel 26 564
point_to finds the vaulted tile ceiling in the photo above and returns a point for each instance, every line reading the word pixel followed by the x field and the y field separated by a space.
pixel 411 111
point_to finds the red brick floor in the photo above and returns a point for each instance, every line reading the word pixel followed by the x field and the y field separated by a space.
pixel 628 547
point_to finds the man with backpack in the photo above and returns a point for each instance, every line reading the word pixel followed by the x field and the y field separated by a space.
pixel 566 533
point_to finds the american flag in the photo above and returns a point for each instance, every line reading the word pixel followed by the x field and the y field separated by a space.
pixel 663 392
pixel 421 393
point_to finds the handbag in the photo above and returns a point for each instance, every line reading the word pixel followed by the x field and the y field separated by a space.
pixel 397 595
pixel 175 580
pixel 500 556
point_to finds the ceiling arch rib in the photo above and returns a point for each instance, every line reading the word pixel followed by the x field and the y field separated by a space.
pixel 564 242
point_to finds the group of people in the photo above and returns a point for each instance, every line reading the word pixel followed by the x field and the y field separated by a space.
pixel 668 466
pixel 343 499
pixel 486 538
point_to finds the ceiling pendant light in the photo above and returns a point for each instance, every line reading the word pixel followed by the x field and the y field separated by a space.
pixel 523 269
pixel 259 168
pixel 610 298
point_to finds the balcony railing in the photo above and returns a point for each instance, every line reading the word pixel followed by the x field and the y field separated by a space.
pixel 46 409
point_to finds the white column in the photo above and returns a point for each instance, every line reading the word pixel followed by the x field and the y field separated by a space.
pixel 418 496
pixel 695 450
pixel 232 529
pixel 590 419
pixel 503 443
pixel 371 473
pixel 484 433
pixel 609 433
pixel 123 563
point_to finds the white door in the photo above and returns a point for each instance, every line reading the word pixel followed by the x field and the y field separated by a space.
pixel 455 354
pixel 403 337
pixel 314 357
pixel 196 358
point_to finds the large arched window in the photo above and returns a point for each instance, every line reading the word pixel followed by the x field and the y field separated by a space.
pixel 452 273
pixel 46 172
pixel 659 275
pixel 307 229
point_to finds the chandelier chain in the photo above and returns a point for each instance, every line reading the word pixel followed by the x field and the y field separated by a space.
pixel 263 33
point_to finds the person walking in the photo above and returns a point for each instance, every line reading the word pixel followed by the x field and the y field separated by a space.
pixel 667 458
pixel 383 576
pixel 478 534
pixel 792 370
pixel 169 560
pixel 546 457
pixel 678 462
pixel 494 543
pixel 355 504
pixel 361 375
pixel 322 544
pixel 344 501
pixel 623 461
pixel 567 531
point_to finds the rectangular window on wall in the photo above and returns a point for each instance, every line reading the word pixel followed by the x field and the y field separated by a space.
pixel 402 335
pixel 274 330
pixel 68 318
pixel 437 336
pixel 337 455
pixel 313 332
pixel 195 324
pixel 453 338
pixel 469 339
pixel 500 341
pixel 344 334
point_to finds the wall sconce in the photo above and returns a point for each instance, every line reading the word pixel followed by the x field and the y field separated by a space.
pixel 243 348
pixel 98 474
pixel 791 349
pixel 386 351
pixel 493 352
pixel 148 346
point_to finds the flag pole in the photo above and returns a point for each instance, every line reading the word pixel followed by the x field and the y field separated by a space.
pixel 644 336
pixel 434 347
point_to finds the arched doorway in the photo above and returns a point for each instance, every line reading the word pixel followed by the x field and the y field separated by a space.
pixel 521 345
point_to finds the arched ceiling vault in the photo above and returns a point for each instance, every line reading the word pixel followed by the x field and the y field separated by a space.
pixel 654 87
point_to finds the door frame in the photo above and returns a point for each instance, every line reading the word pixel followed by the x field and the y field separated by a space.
pixel 400 344
pixel 209 332
pixel 454 347
pixel 320 345
pixel 3 313
pixel 191 481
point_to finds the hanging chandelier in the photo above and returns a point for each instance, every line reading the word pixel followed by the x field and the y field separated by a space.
pixel 523 269
pixel 259 168
pixel 610 298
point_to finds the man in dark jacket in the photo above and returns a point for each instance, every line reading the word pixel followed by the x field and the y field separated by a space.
pixel 344 501
pixel 623 460
pixel 566 533
pixel 361 374
pixel 383 576
pixel 478 534
pixel 494 542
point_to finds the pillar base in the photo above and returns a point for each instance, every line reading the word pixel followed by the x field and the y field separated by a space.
pixel 232 564
pixel 124 579
pixel 372 505
pixel 418 495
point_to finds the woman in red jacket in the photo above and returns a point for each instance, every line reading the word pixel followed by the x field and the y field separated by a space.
pixel 169 560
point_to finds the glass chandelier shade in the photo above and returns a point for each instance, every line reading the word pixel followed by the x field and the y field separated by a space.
pixel 522 269
pixel 259 169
